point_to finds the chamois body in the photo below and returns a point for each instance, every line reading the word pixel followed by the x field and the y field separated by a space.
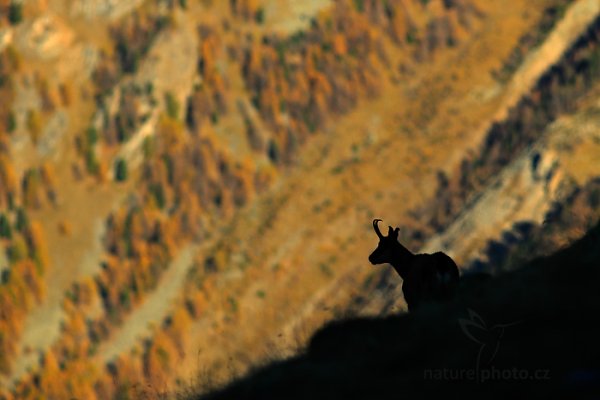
pixel 426 277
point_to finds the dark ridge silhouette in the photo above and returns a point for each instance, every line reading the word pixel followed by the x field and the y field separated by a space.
pixel 528 333
pixel 426 277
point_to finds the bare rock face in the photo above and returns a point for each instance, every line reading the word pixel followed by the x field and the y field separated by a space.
pixel 6 37
pixel 46 37
pixel 525 190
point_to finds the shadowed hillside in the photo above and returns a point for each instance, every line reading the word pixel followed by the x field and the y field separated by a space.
pixel 539 324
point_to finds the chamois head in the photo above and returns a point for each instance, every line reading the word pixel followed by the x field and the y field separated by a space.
pixel 384 253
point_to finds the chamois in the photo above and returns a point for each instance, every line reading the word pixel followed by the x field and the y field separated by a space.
pixel 426 277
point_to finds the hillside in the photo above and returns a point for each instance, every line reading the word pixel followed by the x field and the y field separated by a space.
pixel 187 187
pixel 550 308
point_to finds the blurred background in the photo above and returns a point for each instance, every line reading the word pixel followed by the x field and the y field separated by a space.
pixel 187 187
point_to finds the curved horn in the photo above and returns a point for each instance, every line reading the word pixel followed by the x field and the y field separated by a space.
pixel 376 228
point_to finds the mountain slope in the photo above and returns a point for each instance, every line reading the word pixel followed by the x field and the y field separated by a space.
pixel 195 125
pixel 550 308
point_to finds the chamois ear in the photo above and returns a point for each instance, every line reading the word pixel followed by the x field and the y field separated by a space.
pixel 394 233
pixel 390 231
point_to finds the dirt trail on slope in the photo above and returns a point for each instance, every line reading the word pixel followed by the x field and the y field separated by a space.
pixel 153 309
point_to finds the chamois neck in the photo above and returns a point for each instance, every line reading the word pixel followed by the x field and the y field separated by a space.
pixel 401 260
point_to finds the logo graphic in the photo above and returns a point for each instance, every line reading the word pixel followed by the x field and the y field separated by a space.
pixel 488 338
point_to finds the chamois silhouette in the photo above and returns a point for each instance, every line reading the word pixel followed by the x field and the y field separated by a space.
pixel 426 277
